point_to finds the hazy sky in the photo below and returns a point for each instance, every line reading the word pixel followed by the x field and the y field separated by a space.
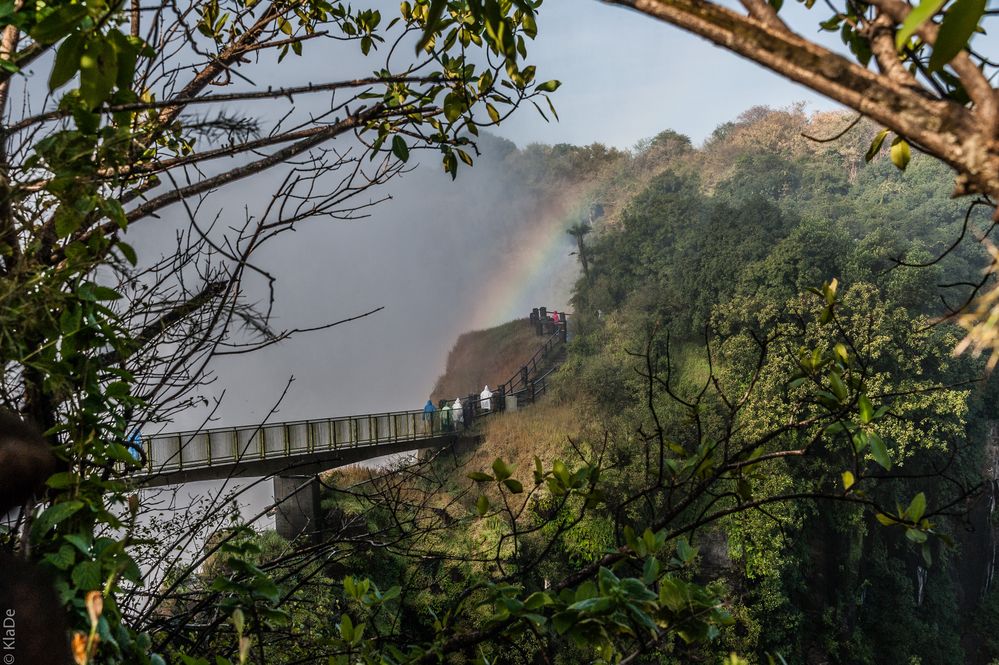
pixel 626 77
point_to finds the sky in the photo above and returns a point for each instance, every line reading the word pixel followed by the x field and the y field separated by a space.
pixel 627 77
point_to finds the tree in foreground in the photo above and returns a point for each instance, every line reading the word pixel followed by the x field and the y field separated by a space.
pixel 118 115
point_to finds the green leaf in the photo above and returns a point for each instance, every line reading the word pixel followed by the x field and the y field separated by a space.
pixel 537 600
pixel 848 480
pixel 433 17
pixel 128 252
pixel 866 409
pixel 87 575
pixel 918 16
pixel 915 535
pixel 684 551
pixel 493 113
pixel 860 441
pixel 830 291
pixel 59 23
pixel 399 148
pixel 900 153
pixel 650 571
pixel 530 25
pixel 67 61
pixel 592 605
pixel 98 71
pixel 105 293
pixel 916 507
pixel 453 107
pixel 482 505
pixel 514 485
pixel 451 164
pixel 53 515
pixel 62 559
pixel 346 628
pixel 480 477
pixel 886 520
pixel 838 387
pixel 548 86
pixel 879 451
pixel 127 51
pixel 842 353
pixel 563 621
pixel 62 480
pixel 81 543
pixel 875 148
pixel 501 469
pixel 836 428
pixel 115 212
pixel 959 23
pixel 67 220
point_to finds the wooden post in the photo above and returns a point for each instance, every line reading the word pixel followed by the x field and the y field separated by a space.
pixel 543 316
pixel 564 330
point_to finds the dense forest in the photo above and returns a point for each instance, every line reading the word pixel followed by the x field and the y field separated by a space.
pixel 711 249
pixel 761 437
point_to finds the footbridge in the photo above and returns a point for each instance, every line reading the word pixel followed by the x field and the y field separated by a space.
pixel 293 453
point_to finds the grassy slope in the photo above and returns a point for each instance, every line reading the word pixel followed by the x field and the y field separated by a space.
pixel 542 429
pixel 488 356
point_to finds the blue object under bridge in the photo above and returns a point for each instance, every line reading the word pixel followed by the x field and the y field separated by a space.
pixel 295 452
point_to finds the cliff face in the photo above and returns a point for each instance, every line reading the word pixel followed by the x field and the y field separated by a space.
pixel 486 357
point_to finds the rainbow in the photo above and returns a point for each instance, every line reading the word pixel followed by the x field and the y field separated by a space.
pixel 541 273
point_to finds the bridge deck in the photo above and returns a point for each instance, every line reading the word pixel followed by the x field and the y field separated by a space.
pixel 297 447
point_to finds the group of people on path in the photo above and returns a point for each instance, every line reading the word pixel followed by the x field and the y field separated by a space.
pixel 455 414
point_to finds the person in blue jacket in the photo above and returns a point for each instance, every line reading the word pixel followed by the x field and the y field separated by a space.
pixel 428 416
pixel 135 441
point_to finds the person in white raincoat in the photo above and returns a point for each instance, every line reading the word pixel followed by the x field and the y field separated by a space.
pixel 485 399
pixel 457 410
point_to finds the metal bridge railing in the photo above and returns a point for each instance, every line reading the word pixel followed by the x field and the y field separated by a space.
pixel 185 451
pixel 522 378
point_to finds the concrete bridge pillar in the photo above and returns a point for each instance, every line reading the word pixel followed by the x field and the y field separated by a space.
pixel 297 512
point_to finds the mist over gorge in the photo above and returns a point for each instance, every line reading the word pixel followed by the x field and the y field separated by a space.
pixel 441 257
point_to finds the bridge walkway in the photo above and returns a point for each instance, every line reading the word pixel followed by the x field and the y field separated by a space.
pixel 307 447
